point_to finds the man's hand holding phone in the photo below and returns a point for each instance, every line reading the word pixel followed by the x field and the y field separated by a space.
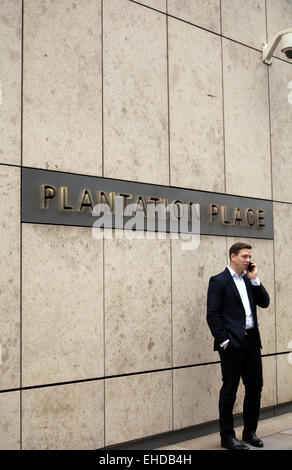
pixel 252 271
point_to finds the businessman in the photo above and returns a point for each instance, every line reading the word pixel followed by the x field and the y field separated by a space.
pixel 231 315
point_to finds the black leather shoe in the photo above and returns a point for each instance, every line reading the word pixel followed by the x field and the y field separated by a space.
pixel 233 444
pixel 252 439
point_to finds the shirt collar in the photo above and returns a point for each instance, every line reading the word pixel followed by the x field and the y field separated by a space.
pixel 234 274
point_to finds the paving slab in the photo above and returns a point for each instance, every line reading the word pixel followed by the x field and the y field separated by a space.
pixel 275 432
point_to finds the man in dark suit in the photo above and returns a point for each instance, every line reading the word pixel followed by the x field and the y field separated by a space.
pixel 231 315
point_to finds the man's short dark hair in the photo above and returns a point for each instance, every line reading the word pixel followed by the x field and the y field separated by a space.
pixel 237 247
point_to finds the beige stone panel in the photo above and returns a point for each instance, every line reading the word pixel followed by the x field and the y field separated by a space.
pixel 284 377
pixel 191 271
pixel 62 311
pixel 195 92
pixel 135 93
pixel 279 17
pixel 9 276
pixel 238 405
pixel 10 421
pixel 156 4
pixel 269 391
pixel 137 304
pixel 281 122
pixel 263 255
pixel 65 417
pixel 62 85
pixel 244 21
pixel 205 13
pixel 283 278
pixel 196 394
pixel 137 406
pixel 246 111
pixel 10 81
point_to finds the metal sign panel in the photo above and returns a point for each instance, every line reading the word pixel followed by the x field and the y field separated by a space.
pixel 51 197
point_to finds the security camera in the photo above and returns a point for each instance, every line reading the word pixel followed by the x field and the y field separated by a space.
pixel 285 39
pixel 286 45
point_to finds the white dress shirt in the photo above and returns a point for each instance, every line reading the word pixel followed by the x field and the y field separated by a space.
pixel 241 287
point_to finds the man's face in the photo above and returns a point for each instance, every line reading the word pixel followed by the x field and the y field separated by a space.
pixel 242 259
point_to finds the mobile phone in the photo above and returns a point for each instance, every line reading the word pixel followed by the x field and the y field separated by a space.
pixel 250 266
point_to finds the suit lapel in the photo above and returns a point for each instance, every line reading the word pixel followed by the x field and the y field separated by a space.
pixel 233 285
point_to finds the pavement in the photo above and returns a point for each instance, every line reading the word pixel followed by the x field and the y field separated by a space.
pixel 275 432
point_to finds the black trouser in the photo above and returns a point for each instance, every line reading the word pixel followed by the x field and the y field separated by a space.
pixel 242 362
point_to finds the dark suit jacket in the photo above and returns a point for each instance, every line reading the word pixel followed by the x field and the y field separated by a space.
pixel 225 311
